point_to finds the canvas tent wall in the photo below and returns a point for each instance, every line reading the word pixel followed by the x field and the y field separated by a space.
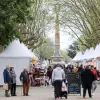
pixel 97 51
pixel 84 57
pixel 78 56
pixel 18 63
pixel 15 55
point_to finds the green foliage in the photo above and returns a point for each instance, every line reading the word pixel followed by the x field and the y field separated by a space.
pixel 12 12
pixel 84 21
pixel 46 50
pixel 82 18
pixel 34 30
pixel 65 56
pixel 72 50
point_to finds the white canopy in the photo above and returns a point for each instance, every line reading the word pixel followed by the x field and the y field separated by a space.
pixel 78 56
pixel 16 49
pixel 15 55
pixel 91 53
pixel 33 54
pixel 84 56
pixel 97 51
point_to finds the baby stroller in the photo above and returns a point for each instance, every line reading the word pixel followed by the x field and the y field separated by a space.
pixel 36 82
pixel 64 90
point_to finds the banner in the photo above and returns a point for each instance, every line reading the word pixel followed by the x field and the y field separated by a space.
pixel 33 61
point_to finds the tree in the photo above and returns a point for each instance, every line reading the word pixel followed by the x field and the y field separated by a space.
pixel 72 50
pixel 46 50
pixel 34 30
pixel 26 20
pixel 81 17
pixel 12 12
pixel 83 21
pixel 66 58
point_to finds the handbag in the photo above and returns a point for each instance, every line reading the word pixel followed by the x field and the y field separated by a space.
pixel 5 86
pixel 64 87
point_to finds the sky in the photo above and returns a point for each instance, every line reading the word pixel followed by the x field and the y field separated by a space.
pixel 65 41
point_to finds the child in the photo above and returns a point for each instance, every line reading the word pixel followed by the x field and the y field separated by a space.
pixel 46 80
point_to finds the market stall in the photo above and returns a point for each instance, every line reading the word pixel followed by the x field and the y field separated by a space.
pixel 15 55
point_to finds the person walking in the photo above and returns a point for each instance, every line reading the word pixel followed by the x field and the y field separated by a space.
pixel 24 78
pixel 87 79
pixel 57 76
pixel 80 69
pixel 94 83
pixel 7 80
pixel 13 82
pixel 49 73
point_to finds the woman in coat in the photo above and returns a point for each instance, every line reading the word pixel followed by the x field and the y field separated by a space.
pixel 13 82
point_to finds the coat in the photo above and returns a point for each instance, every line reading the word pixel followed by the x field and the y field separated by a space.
pixel 87 78
pixel 24 77
pixel 7 77
pixel 13 77
pixel 95 74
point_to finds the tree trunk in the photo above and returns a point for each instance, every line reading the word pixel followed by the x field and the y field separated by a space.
pixel 1 48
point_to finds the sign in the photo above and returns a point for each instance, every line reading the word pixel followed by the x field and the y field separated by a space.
pixel 74 83
pixel 33 61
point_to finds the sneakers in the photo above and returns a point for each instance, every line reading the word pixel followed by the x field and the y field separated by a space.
pixel 27 95
pixel 7 95
pixel 92 94
pixel 57 98
pixel 15 95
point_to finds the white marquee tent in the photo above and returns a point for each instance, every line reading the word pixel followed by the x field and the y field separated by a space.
pixel 85 54
pixel 78 56
pixel 91 53
pixel 97 51
pixel 15 55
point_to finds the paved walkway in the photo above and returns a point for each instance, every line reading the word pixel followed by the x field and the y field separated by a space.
pixel 45 93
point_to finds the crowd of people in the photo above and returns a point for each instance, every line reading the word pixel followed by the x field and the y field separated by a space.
pixel 26 77
pixel 55 75
pixel 89 78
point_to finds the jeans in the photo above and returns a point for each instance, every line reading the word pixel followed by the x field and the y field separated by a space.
pixel 57 86
pixel 94 86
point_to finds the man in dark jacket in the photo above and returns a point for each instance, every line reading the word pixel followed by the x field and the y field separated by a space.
pixel 87 79
pixel 7 80
pixel 24 78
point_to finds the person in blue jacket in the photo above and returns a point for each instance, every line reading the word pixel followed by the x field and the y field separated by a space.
pixel 7 80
